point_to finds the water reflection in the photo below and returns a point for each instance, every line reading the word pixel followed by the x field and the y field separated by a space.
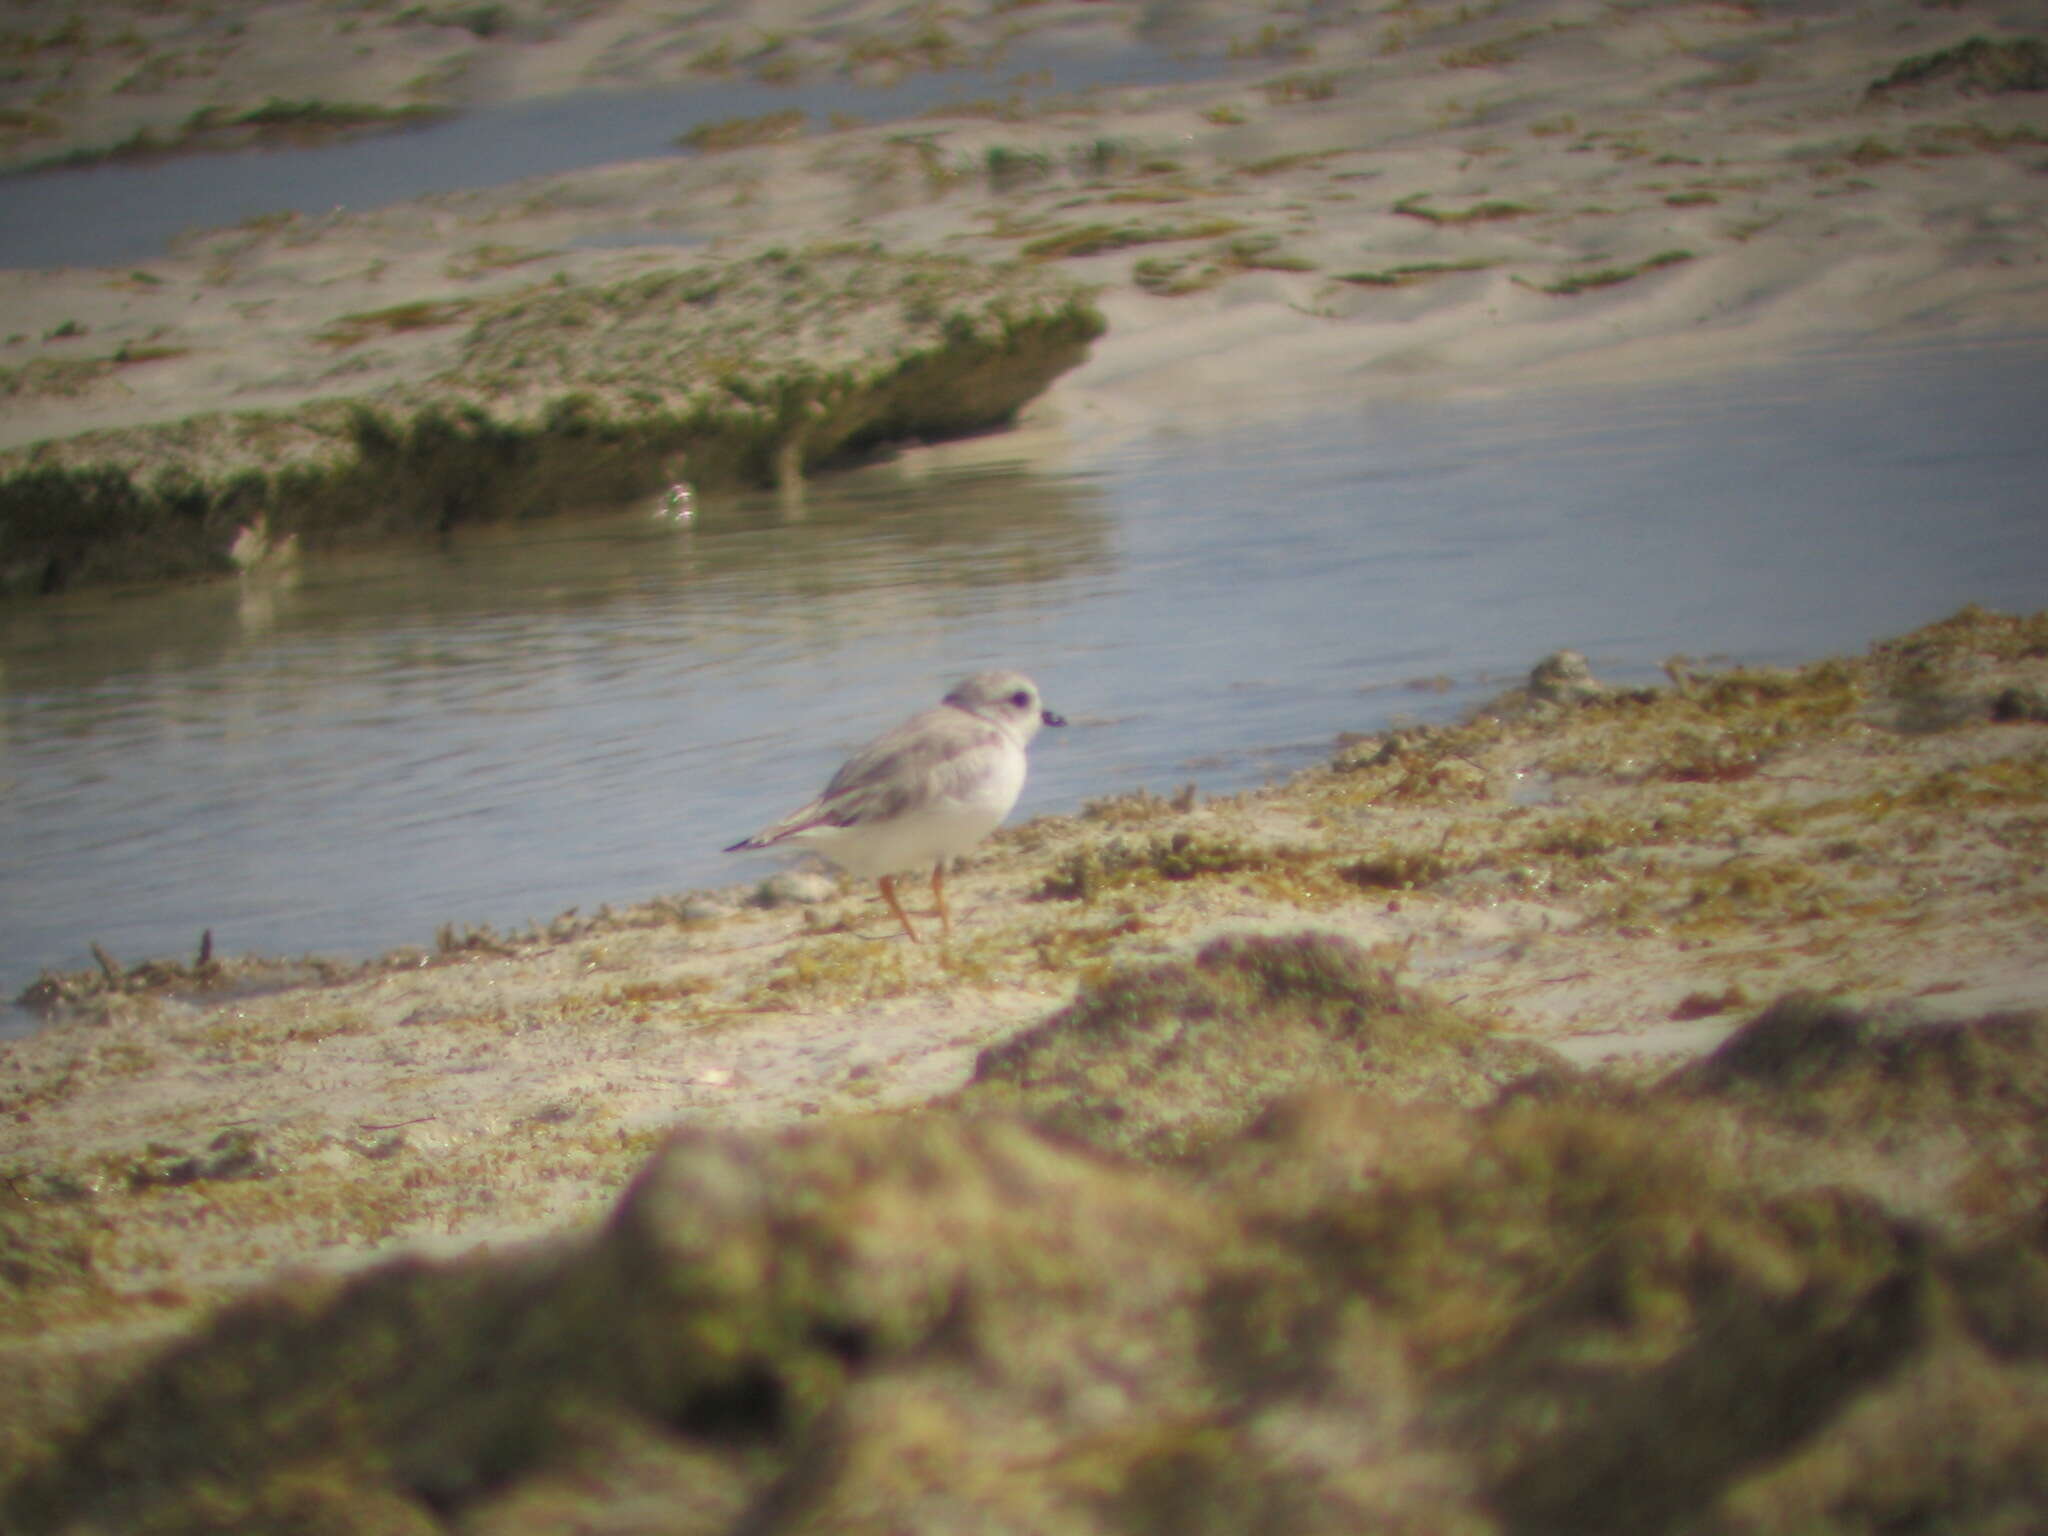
pixel 345 758
pixel 585 710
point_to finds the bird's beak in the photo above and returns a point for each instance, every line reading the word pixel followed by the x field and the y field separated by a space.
pixel 1050 718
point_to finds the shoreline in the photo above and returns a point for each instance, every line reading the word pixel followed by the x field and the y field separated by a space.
pixel 1608 888
pixel 1580 859
pixel 743 373
pixel 212 979
pixel 1396 208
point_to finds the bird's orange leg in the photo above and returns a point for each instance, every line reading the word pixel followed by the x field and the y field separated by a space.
pixel 939 896
pixel 888 885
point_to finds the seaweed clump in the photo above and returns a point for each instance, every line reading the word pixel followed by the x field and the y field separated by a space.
pixel 1091 872
pixel 42 1243
pixel 1156 1062
pixel 1823 1064
pixel 1566 1308
pixel 1976 66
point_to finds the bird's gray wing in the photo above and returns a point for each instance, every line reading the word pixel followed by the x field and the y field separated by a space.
pixel 933 756
pixel 930 757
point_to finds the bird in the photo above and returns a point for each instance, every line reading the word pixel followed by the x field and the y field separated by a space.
pixel 923 792
pixel 255 553
pixel 678 506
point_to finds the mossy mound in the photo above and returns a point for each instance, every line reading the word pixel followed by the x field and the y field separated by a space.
pixel 1948 1118
pixel 1976 66
pixel 731 374
pixel 835 1321
pixel 1156 1062
pixel 1613 1321
pixel 1836 1066
pixel 41 1244
pixel 1565 1311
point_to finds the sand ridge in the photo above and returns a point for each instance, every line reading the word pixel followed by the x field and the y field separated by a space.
pixel 1364 205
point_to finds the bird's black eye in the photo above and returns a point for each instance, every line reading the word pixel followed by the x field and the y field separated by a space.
pixel 1021 699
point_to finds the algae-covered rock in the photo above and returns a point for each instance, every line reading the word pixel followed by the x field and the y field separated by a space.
pixel 1976 66
pixel 1158 1061
pixel 1615 1329
pixel 833 1328
pixel 1946 1120
pixel 1964 1100
pixel 936 1325
pixel 558 396
pixel 1831 1063
pixel 1565 1307
pixel 42 1243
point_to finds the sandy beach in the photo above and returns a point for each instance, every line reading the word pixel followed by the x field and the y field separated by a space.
pixel 1573 908
pixel 1624 883
pixel 1405 202
pixel 1581 897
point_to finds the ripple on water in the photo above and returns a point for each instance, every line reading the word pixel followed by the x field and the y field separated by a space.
pixel 528 719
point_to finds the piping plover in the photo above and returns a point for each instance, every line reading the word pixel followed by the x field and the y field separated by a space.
pixel 924 792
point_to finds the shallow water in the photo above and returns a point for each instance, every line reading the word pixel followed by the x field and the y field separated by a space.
pixel 527 719
pixel 104 214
